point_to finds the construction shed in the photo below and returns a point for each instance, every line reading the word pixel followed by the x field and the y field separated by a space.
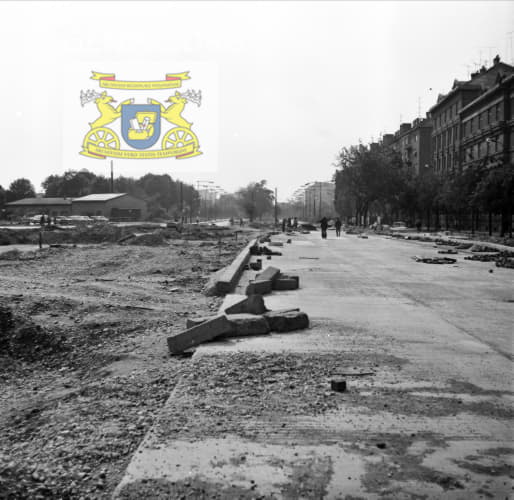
pixel 115 206
pixel 37 206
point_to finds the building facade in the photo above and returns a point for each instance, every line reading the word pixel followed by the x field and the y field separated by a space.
pixel 319 200
pixel 53 207
pixel 487 127
pixel 119 206
pixel 413 142
pixel 447 155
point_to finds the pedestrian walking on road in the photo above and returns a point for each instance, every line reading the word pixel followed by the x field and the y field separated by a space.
pixel 338 225
pixel 324 226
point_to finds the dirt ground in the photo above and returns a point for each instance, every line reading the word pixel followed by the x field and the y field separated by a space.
pixel 84 365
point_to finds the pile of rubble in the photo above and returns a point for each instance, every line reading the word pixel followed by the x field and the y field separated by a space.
pixel 247 317
pixel 434 260
pixel 501 259
pixel 20 337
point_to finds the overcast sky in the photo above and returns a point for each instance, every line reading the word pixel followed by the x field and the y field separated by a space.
pixel 295 81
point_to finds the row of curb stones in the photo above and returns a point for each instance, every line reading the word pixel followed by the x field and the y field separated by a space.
pixel 247 317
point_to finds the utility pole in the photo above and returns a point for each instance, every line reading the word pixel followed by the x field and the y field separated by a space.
pixel 112 178
pixel 181 202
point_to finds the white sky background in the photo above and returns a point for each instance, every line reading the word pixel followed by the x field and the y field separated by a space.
pixel 297 80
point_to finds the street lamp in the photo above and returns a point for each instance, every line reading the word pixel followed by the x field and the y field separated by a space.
pixel 204 185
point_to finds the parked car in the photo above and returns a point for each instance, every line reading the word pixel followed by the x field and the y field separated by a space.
pixel 399 226
pixel 99 218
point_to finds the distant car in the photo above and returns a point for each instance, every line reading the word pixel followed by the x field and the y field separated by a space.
pixel 99 218
pixel 399 226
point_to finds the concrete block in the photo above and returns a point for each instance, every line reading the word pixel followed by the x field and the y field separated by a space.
pixel 280 321
pixel 292 277
pixel 283 284
pixel 259 287
pixel 270 273
pixel 252 304
pixel 338 385
pixel 203 332
pixel 244 325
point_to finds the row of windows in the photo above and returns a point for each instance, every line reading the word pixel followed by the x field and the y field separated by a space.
pixel 483 148
pixel 492 114
pixel 449 113
pixel 446 162
pixel 446 138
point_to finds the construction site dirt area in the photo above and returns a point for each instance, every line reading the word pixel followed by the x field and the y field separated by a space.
pixel 84 364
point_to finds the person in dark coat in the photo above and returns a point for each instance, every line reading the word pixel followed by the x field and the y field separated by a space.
pixel 338 225
pixel 324 226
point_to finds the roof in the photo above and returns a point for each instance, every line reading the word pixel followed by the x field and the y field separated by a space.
pixel 478 82
pixel 506 80
pixel 40 201
pixel 100 197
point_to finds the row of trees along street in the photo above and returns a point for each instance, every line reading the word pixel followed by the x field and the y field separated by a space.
pixel 372 181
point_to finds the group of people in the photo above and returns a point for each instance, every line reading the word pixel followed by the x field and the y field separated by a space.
pixel 324 226
pixel 289 223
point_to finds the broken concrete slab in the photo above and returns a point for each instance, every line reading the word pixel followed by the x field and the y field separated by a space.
pixel 280 321
pixel 203 332
pixel 287 286
pixel 244 325
pixel 251 304
pixel 270 273
pixel 259 287
pixel 283 284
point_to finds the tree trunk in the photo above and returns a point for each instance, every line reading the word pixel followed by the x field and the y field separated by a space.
pixel 490 221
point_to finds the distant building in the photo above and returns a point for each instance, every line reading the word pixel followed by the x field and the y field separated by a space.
pixel 413 143
pixel 117 206
pixel 319 199
pixel 445 115
pixel 487 127
pixel 37 206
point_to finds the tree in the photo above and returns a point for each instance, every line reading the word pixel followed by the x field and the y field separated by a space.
pixel 3 196
pixel 366 177
pixel 19 189
pixel 255 199
pixel 71 184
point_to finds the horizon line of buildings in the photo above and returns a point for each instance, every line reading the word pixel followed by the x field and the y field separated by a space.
pixel 470 126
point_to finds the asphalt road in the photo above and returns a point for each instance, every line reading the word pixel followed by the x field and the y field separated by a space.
pixel 426 351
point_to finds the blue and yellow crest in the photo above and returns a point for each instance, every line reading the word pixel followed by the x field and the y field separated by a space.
pixel 140 122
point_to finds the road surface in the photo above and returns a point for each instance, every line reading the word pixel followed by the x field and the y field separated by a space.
pixel 426 351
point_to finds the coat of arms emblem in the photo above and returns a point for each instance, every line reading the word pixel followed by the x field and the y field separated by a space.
pixel 141 126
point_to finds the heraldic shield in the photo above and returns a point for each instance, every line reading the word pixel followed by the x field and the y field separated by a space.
pixel 141 124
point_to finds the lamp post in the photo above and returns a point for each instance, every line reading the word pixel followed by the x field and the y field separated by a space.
pixel 204 185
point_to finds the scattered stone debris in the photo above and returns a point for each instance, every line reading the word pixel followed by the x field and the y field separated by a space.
pixel 435 260
pixel 449 251
pixel 482 248
pixel 503 259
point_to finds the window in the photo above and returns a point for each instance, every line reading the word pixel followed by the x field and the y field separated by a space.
pixel 499 112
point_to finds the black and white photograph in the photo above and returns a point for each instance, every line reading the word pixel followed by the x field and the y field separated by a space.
pixel 256 250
